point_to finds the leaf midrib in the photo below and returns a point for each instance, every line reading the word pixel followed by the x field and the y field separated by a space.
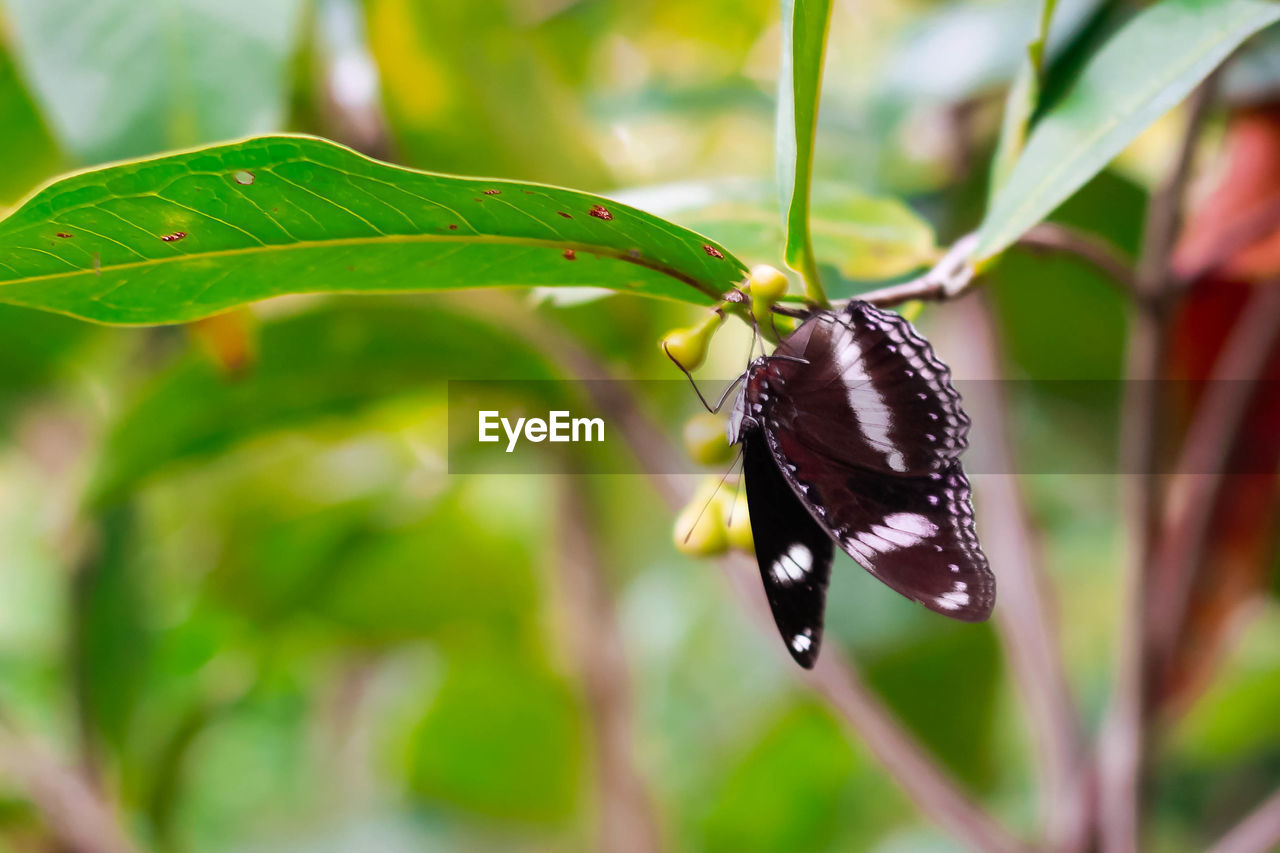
pixel 492 239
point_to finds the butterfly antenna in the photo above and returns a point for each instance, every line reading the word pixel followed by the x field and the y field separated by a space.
pixel 689 376
pixel 784 357
pixel 715 410
pixel 714 492
pixel 734 505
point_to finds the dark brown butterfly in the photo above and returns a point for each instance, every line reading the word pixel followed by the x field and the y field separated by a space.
pixel 851 434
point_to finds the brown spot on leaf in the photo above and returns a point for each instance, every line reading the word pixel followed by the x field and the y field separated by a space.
pixel 565 215
pixel 244 178
pixel 174 237
pixel 570 255
pixel 493 192
pixel 64 235
pixel 599 211
pixel 713 251
pixel 633 254
pixel 453 227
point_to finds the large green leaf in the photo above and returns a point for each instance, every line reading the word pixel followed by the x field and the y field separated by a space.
pixel 804 40
pixel 1142 72
pixel 187 235
pixel 122 78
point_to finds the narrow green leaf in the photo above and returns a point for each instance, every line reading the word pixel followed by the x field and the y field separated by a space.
pixel 1021 101
pixel 184 236
pixel 28 152
pixel 804 39
pixel 1141 73
pixel 110 638
pixel 123 78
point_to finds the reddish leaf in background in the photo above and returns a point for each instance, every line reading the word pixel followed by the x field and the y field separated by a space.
pixel 1229 247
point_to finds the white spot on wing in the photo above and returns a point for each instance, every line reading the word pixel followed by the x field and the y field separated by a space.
pixel 802 642
pixel 952 600
pixel 793 565
pixel 874 415
pixel 910 522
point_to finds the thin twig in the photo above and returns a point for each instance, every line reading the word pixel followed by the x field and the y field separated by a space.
pixel 935 793
pixel 1202 464
pixel 1259 832
pixel 1025 618
pixel 1122 749
pixel 1090 248
pixel 954 275
pixel 72 810
pixel 628 823
pixel 948 278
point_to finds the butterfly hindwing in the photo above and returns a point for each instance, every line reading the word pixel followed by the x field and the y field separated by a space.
pixel 915 534
pixel 793 551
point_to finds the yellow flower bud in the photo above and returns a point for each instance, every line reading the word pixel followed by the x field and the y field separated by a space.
pixel 739 524
pixel 767 284
pixel 688 347
pixel 705 440
pixel 700 529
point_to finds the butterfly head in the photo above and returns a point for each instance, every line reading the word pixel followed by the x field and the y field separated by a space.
pixel 743 415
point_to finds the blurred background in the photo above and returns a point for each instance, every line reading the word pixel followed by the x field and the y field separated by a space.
pixel 292 629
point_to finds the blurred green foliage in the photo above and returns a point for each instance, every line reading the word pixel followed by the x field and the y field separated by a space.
pixel 262 612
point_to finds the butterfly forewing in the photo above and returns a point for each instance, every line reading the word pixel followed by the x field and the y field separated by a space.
pixel 793 551
pixel 869 393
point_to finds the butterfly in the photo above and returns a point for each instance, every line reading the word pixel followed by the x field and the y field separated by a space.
pixel 851 435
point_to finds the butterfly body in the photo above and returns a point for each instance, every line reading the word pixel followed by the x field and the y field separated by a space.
pixel 851 435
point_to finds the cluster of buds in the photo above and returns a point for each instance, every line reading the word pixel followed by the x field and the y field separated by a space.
pixel 716 519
